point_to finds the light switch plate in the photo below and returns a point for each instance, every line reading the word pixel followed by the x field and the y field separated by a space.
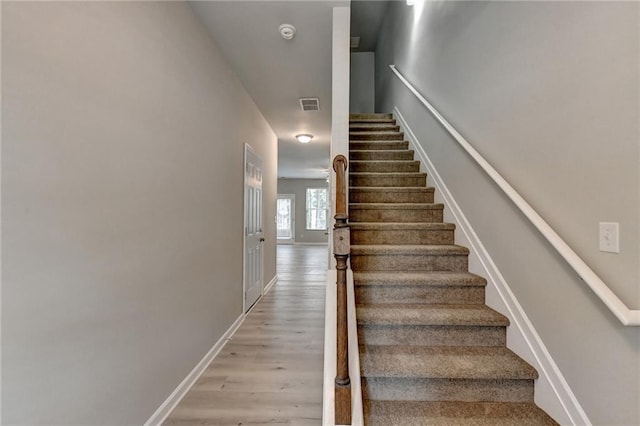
pixel 609 237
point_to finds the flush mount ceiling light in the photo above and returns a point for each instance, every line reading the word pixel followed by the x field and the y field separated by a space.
pixel 287 31
pixel 304 138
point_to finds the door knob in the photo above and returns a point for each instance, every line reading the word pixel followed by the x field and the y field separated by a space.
pixel 261 240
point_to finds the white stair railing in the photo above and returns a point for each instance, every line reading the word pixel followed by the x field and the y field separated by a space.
pixel 628 317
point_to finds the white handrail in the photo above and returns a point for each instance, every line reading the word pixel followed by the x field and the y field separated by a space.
pixel 620 310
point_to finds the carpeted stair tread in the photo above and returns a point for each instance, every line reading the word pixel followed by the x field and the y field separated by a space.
pixel 375 136
pixel 376 145
pixel 431 351
pixel 391 189
pixel 376 132
pixel 386 166
pixel 370 115
pixel 434 278
pixel 401 179
pixel 390 162
pixel 408 257
pixel 429 314
pixel 373 127
pixel 445 362
pixel 394 206
pixel 402 226
pixel 454 413
pixel 391 194
pixel 406 233
pixel 429 249
pixel 374 121
pixel 420 212
pixel 361 144
pixel 399 174
pixel 381 155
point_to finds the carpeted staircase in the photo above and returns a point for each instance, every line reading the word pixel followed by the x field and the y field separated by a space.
pixel 431 351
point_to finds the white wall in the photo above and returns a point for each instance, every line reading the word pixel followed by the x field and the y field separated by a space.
pixel 548 93
pixel 298 187
pixel 340 51
pixel 362 82
pixel 122 150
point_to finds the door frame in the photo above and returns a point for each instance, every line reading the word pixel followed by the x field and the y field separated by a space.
pixel 248 148
pixel 291 240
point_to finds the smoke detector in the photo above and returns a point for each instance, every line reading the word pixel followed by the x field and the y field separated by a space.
pixel 287 31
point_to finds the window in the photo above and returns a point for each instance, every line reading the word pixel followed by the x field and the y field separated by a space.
pixel 284 221
pixel 316 209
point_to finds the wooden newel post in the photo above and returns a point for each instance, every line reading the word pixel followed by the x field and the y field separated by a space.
pixel 341 250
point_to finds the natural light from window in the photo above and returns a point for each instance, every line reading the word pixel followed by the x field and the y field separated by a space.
pixel 317 209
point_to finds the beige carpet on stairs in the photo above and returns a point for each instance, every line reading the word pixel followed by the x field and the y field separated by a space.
pixel 431 351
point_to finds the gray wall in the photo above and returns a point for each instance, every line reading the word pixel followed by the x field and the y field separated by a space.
pixel 362 82
pixel 122 181
pixel 299 188
pixel 548 93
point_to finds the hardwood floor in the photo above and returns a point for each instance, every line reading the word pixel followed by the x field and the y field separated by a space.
pixel 270 372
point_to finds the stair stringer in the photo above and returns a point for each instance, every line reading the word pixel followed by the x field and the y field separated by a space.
pixel 552 392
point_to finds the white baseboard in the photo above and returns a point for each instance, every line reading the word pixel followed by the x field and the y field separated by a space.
pixel 312 244
pixel 176 396
pixel 330 336
pixel 270 284
pixel 552 393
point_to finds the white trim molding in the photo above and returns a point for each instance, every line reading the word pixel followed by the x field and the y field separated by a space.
pixel 330 361
pixel 176 396
pixel 553 393
pixel 269 285
pixel 625 315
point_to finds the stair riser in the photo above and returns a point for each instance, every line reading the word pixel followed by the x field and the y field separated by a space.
pixel 403 155
pixel 400 237
pixel 370 116
pixel 395 215
pixel 373 127
pixel 409 389
pixel 374 121
pixel 376 136
pixel 385 167
pixel 431 335
pixel 420 294
pixel 372 146
pixel 384 180
pixel 382 196
pixel 447 413
pixel 409 262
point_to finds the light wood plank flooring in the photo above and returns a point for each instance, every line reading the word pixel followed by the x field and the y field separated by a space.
pixel 270 372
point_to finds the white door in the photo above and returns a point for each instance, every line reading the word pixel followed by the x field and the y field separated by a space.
pixel 285 218
pixel 253 237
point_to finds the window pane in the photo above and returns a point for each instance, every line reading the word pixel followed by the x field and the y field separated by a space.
pixel 317 208
pixel 284 218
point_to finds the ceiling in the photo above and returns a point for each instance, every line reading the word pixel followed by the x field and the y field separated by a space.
pixel 366 20
pixel 277 72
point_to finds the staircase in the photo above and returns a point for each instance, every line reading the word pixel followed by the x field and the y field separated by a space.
pixel 431 351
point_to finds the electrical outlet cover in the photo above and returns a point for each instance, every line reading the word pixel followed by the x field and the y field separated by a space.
pixel 609 237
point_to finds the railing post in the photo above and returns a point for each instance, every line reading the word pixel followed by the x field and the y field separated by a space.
pixel 341 250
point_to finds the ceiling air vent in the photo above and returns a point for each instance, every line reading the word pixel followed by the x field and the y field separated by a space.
pixel 309 104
